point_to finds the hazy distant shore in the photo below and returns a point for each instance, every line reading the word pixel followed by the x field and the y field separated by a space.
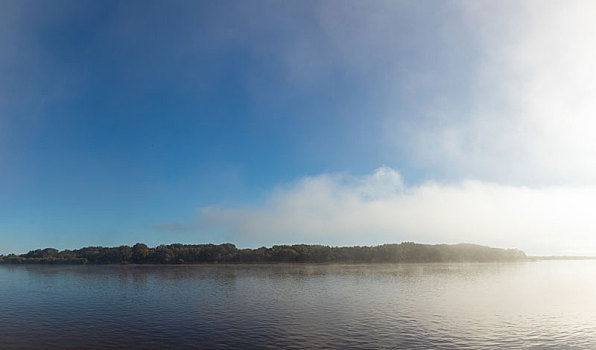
pixel 562 257
pixel 299 253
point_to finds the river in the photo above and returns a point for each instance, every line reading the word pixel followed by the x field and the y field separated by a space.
pixel 542 304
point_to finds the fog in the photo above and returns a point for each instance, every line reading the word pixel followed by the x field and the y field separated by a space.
pixel 342 209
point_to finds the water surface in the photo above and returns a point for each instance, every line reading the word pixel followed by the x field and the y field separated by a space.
pixel 548 304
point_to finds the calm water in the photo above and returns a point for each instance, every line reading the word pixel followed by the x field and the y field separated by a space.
pixel 549 304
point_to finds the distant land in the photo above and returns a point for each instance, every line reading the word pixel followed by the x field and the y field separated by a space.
pixel 562 257
pixel 406 252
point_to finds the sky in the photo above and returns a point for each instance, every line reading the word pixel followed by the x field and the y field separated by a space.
pixel 281 122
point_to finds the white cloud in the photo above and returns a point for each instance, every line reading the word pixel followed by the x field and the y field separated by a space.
pixel 377 208
pixel 533 113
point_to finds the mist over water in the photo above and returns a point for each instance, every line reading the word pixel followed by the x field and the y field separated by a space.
pixel 544 304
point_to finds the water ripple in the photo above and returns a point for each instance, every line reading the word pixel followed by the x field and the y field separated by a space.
pixel 415 306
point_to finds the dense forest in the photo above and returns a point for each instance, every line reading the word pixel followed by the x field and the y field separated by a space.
pixel 299 253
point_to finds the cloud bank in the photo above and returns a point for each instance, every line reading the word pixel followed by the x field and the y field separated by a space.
pixel 340 209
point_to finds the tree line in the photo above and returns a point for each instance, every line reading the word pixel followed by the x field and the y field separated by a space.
pixel 299 253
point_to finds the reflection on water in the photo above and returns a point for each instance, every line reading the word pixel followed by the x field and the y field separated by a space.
pixel 539 304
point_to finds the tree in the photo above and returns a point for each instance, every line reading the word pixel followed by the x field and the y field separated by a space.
pixel 140 252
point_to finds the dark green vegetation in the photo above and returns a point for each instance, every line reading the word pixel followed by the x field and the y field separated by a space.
pixel 299 253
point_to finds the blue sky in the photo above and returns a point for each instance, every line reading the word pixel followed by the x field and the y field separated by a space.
pixel 189 121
